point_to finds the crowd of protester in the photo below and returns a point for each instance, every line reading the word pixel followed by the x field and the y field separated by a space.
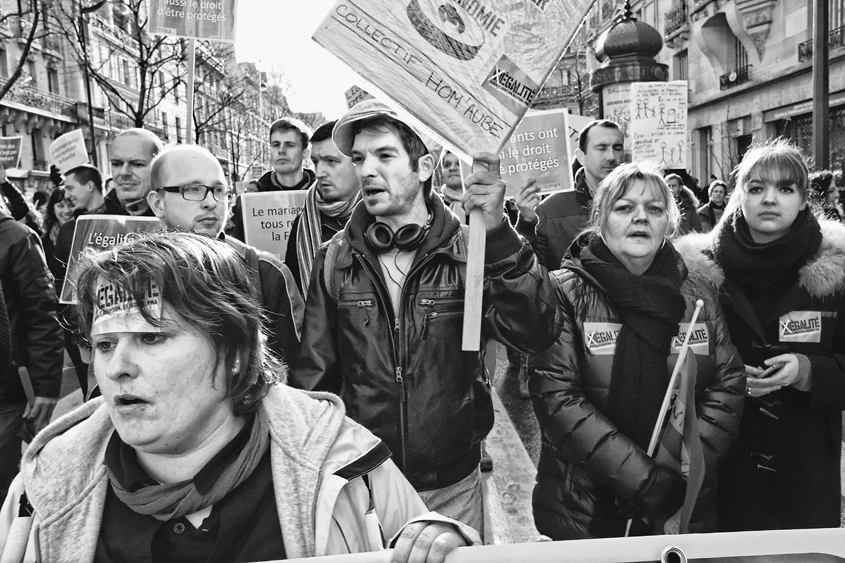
pixel 243 408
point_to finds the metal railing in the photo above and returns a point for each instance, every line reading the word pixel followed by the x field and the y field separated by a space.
pixel 675 19
pixel 42 100
pixel 39 164
pixel 735 77
pixel 126 39
pixel 835 39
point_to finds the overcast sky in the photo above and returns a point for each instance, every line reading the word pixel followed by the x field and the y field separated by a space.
pixel 278 32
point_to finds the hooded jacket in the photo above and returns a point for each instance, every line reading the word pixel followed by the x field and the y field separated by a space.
pixel 317 456
pixel 405 377
pixel 586 467
pixel 783 471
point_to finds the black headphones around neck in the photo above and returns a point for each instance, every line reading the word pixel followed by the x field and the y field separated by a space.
pixel 381 237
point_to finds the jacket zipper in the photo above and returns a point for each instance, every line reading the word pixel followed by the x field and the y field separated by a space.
pixel 397 353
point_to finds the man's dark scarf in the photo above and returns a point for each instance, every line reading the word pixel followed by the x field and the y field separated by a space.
pixel 773 264
pixel 711 212
pixel 651 307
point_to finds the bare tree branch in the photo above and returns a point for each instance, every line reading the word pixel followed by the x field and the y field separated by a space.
pixel 35 12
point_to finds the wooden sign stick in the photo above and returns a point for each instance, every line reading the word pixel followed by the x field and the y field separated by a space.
pixel 474 291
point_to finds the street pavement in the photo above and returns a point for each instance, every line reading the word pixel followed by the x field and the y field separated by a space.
pixel 514 445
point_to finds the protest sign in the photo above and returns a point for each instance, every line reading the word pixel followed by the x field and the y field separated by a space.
pixel 268 218
pixel 68 151
pixel 10 151
pixel 538 149
pixel 201 19
pixel 575 124
pixel 658 125
pixel 100 232
pixel 466 70
pixel 355 96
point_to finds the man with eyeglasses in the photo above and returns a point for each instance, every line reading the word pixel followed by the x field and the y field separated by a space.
pixel 190 193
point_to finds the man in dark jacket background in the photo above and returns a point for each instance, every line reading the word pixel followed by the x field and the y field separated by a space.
pixel 328 204
pixel 36 341
pixel 190 193
pixel 289 139
pixel 552 225
pixel 384 313
pixel 130 156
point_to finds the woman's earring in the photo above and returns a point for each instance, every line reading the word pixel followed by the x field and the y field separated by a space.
pixel 237 367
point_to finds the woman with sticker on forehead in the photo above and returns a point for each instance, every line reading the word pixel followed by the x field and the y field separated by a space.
pixel 628 299
pixel 782 279
pixel 197 449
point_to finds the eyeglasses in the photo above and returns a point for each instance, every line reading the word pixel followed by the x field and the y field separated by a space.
pixel 198 192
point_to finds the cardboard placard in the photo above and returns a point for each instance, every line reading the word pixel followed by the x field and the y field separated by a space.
pixel 539 148
pixel 69 150
pixel 465 70
pixel 268 218
pixel 10 151
pixel 201 19
pixel 100 232
pixel 355 96
pixel 658 123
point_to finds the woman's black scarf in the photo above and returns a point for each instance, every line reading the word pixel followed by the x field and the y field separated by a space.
pixel 767 265
pixel 651 306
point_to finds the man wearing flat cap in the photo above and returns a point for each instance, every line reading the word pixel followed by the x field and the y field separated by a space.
pixel 384 311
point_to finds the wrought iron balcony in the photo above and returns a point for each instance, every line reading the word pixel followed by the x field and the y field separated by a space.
pixel 735 77
pixel 39 164
pixel 54 103
pixel 835 40
pixel 675 19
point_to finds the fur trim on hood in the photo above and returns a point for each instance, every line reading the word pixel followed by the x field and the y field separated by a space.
pixel 821 277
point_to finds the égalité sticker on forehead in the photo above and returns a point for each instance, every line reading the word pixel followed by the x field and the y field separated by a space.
pixel 116 310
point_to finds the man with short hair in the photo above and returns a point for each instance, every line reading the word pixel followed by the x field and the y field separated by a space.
pixel 452 189
pixel 328 205
pixel 384 313
pixel 687 204
pixel 552 225
pixel 84 192
pixel 190 193
pixel 131 153
pixel 711 212
pixel 30 337
pixel 289 139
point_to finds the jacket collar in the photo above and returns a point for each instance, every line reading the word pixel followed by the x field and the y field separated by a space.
pixel 304 436
pixel 441 237
pixel 823 276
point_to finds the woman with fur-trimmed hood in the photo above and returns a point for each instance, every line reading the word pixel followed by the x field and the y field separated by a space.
pixel 781 274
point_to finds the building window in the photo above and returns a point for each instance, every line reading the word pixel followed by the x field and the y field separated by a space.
pixel 165 126
pixel 53 80
pixel 741 57
pixel 705 156
pixel 33 74
pixel 37 140
pixel 837 14
pixel 178 130
pixel 4 64
pixel 681 66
